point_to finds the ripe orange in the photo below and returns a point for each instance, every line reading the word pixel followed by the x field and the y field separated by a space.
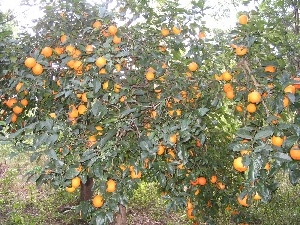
pixel 117 40
pixel 47 52
pixel 201 181
pixel 17 109
pixel 243 19
pixel 150 76
pixel 227 87
pixel 257 196
pixel 267 166
pixel 75 182
pixel 245 152
pixel 285 102
pixel 176 30
pixel 81 109
pixel 221 186
pixel 135 175
pixel 37 69
pixel 101 61
pixel 98 201
pixel 165 32
pixel 112 30
pixel 70 189
pixel 241 50
pixel 63 38
pixel 58 50
pixel 105 85
pixel 213 179
pixel 295 152
pixel 70 49
pixel 24 102
pixel 193 66
pixel 10 102
pixel 239 108
pixel 74 112
pixel 97 24
pixel 251 108
pixel 290 89
pixel 243 201
pixel 161 149
pixel 230 94
pixel 270 69
pixel 76 53
pixel 201 35
pixel 190 213
pixel 19 86
pixel 173 138
pixel 84 97
pixel 89 49
pixel 52 115
pixel 238 164
pixel 30 62
pixel 226 76
pixel 14 118
pixel 77 65
pixel 277 141
pixel 91 140
pixel 71 63
pixel 254 97
pixel 111 185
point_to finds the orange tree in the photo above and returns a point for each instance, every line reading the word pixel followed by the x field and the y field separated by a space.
pixel 105 100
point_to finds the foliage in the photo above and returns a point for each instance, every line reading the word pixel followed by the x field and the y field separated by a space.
pixel 100 106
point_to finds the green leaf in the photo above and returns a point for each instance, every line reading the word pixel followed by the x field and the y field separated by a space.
pixel 282 157
pixel 111 133
pixel 294 176
pixel 52 154
pixel 87 155
pixel 96 107
pixel 71 173
pixel 244 133
pixel 97 85
pixel 203 111
pixel 126 112
pixel 266 132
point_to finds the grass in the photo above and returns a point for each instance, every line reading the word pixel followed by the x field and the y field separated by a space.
pixel 22 202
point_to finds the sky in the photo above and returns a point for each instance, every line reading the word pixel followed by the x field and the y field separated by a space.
pixel 26 14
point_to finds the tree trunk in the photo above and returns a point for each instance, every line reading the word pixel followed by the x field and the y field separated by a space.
pixel 86 192
pixel 121 218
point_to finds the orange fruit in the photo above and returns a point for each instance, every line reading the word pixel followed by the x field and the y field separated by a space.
pixel 135 175
pixel 176 30
pixel 70 189
pixel 24 102
pixel 245 152
pixel 201 181
pixel 74 112
pixel 71 63
pixel 81 109
pixel 30 62
pixel 227 87
pixel 63 38
pixel 150 76
pixel 243 19
pixel 14 118
pixel 76 53
pixel 91 140
pixel 190 213
pixel 173 138
pixel 58 50
pixel 98 201
pixel 193 66
pixel 251 108
pixel 226 76
pixel 254 97
pixel 101 61
pixel 277 141
pixel 295 152
pixel 37 69
pixel 241 50
pixel 17 109
pixel 270 69
pixel 97 24
pixel 239 108
pixel 165 32
pixel 230 94
pixel 189 205
pixel 75 182
pixel 84 97
pixel 267 166
pixel 290 89
pixel 243 201
pixel 238 164
pixel 112 30
pixel 118 67
pixel 19 86
pixel 111 185
pixel 11 102
pixel 52 115
pixel 285 102
pixel 201 35
pixel 77 65
pixel 47 52
pixel 70 49
pixel 105 85
pixel 117 40
pixel 213 179
pixel 257 196
pixel 221 186
pixel 89 49
pixel 161 149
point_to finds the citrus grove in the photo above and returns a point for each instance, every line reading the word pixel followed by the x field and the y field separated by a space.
pixel 105 99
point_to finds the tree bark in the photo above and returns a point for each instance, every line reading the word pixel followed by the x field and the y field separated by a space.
pixel 86 192
pixel 121 217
